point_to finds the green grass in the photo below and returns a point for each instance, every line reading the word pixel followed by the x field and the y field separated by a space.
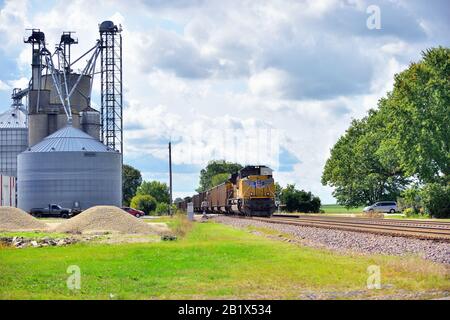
pixel 211 261
pixel 335 208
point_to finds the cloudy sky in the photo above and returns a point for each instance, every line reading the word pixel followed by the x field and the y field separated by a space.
pixel 268 82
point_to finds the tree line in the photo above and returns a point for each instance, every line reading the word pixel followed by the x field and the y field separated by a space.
pixel 400 150
pixel 152 197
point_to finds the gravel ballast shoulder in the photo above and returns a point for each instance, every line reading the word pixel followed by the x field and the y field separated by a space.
pixel 14 219
pixel 352 241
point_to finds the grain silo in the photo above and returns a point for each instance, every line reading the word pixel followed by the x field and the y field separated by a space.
pixel 69 168
pixel 74 156
pixel 13 138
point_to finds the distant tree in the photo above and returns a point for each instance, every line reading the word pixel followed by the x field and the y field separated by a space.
pixel 278 190
pixel 177 200
pixel 144 202
pixel 219 179
pixel 158 190
pixel 214 168
pixel 299 200
pixel 132 179
pixel 162 209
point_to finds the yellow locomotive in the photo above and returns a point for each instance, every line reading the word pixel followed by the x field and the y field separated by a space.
pixel 250 192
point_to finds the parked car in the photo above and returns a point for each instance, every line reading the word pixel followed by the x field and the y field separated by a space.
pixel 53 211
pixel 134 212
pixel 382 206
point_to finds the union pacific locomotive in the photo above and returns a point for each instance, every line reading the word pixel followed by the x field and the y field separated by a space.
pixel 250 192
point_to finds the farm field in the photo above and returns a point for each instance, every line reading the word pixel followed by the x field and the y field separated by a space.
pixel 211 261
pixel 335 208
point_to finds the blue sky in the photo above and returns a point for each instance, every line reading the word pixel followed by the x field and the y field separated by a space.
pixel 269 82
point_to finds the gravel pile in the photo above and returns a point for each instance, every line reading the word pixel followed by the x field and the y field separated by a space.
pixel 353 241
pixel 14 219
pixel 106 219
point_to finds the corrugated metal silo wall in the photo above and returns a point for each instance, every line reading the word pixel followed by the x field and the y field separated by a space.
pixel 89 178
pixel 12 142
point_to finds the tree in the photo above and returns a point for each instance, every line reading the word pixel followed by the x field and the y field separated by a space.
pixel 132 179
pixel 435 198
pixel 357 171
pixel 144 202
pixel 219 179
pixel 158 190
pixel 214 168
pixel 299 200
pixel 418 114
pixel 278 191
pixel 177 200
pixel 406 139
pixel 162 209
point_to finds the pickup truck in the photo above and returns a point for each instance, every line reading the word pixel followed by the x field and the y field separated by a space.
pixel 53 210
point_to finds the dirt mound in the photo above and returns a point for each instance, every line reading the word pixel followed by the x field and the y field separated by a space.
pixel 14 219
pixel 105 218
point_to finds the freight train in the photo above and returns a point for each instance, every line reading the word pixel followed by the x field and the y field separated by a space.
pixel 249 192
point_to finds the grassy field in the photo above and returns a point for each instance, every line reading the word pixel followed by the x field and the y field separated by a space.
pixel 211 261
pixel 335 208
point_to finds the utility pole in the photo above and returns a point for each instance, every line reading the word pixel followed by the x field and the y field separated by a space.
pixel 170 177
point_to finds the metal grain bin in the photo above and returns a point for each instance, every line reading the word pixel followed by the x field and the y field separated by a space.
pixel 69 168
pixel 13 139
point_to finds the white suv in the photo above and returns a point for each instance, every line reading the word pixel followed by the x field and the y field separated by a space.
pixel 382 206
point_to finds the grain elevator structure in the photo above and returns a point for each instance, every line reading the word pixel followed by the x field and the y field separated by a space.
pixel 73 152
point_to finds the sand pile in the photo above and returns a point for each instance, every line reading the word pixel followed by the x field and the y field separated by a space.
pixel 14 219
pixel 105 218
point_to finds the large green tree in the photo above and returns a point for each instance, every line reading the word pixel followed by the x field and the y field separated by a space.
pixel 132 179
pixel 417 114
pixel 158 190
pixel 357 171
pixel 215 168
pixel 406 138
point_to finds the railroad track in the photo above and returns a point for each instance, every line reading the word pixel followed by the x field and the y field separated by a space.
pixel 395 227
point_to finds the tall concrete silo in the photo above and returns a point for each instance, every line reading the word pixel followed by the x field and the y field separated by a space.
pixel 69 168
pixel 13 139
pixel 90 122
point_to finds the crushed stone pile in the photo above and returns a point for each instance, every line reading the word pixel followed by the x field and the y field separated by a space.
pixel 105 219
pixel 14 219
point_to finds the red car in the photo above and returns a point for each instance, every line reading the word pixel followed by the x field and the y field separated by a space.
pixel 134 212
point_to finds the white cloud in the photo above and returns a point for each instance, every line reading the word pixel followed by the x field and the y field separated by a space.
pixel 4 86
pixel 269 83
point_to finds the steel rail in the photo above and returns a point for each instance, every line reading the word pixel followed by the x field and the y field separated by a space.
pixel 419 232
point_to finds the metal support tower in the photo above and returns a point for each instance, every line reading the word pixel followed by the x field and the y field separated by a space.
pixel 170 178
pixel 111 86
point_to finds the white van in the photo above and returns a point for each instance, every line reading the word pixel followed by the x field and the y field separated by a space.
pixel 382 206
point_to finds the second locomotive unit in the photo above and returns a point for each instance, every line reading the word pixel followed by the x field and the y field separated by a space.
pixel 249 192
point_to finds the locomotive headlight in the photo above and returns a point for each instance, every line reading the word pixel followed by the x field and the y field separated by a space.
pixel 267 194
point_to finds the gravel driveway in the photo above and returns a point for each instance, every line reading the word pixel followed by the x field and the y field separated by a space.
pixel 352 241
